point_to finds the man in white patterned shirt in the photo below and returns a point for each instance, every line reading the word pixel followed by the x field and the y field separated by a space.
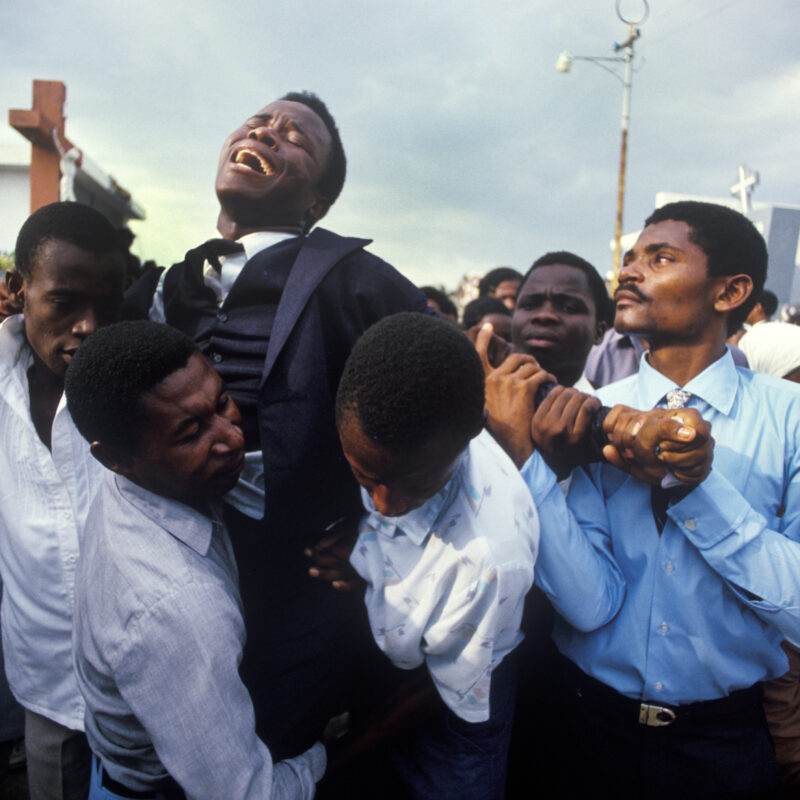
pixel 69 280
pixel 447 546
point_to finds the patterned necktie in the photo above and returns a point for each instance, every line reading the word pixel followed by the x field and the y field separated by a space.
pixel 661 496
pixel 677 398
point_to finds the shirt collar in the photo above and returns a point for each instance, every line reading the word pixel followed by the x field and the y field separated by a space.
pixel 16 358
pixel 716 384
pixel 13 344
pixel 418 524
pixel 183 522
pixel 260 240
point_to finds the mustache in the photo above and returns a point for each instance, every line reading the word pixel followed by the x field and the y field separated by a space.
pixel 632 288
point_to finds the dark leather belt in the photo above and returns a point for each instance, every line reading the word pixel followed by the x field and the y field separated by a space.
pixel 659 714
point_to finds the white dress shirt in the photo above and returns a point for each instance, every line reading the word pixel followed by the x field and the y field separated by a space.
pixel 446 582
pixel 45 498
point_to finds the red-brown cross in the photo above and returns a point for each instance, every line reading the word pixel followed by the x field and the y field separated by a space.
pixel 38 124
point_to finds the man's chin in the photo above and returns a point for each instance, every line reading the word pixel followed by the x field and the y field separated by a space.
pixel 629 328
pixel 628 323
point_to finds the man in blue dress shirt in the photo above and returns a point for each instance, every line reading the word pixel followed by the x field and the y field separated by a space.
pixel 672 603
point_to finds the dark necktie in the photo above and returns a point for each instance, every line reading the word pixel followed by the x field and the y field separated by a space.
pixel 660 497
pixel 214 248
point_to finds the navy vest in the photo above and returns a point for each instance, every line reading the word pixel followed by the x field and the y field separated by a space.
pixel 234 336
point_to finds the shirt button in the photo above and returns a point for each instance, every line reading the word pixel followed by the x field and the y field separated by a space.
pixel 669 568
pixel 663 627
pixel 66 514
pixel 72 559
pixel 690 524
pixel 222 317
pixel 658 686
pixel 216 358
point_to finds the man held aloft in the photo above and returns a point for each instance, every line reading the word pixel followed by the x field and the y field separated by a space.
pixel 277 321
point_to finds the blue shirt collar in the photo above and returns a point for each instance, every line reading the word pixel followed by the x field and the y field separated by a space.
pixel 716 384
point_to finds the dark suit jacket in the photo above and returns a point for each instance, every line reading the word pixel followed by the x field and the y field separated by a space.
pixel 334 292
pixel 305 641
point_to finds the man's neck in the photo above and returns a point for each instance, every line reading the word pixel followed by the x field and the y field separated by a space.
pixel 681 362
pixel 231 228
pixel 45 389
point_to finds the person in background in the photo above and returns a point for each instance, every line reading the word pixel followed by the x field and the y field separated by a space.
pixel 491 310
pixel 502 283
pixel 69 280
pixel 763 311
pixel 12 715
pixel 562 310
pixel 439 302
pixel 774 349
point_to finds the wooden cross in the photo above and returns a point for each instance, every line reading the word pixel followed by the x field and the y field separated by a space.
pixel 43 125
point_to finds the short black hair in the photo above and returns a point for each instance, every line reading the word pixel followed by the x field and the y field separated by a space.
pixel 477 309
pixel 603 305
pixel 492 279
pixel 731 242
pixel 412 377
pixel 446 305
pixel 111 371
pixel 66 221
pixel 332 179
pixel 769 303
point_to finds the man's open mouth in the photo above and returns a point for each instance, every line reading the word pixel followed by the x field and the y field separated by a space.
pixel 254 161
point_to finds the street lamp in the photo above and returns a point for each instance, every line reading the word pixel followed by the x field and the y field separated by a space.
pixel 564 64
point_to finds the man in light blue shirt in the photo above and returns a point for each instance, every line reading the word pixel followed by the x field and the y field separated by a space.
pixel 672 604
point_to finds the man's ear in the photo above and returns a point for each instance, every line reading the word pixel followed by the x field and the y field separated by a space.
pixel 317 210
pixel 14 292
pixel 734 290
pixel 111 458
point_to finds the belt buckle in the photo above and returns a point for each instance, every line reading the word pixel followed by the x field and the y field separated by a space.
pixel 655 716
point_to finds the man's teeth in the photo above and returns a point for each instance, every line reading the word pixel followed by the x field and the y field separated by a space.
pixel 253 160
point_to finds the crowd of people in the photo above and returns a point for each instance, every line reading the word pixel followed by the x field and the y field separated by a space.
pixel 278 524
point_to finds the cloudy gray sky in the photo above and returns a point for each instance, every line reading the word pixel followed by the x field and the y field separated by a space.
pixel 466 148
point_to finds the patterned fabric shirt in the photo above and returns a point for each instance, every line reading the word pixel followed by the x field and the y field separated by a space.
pixel 446 581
